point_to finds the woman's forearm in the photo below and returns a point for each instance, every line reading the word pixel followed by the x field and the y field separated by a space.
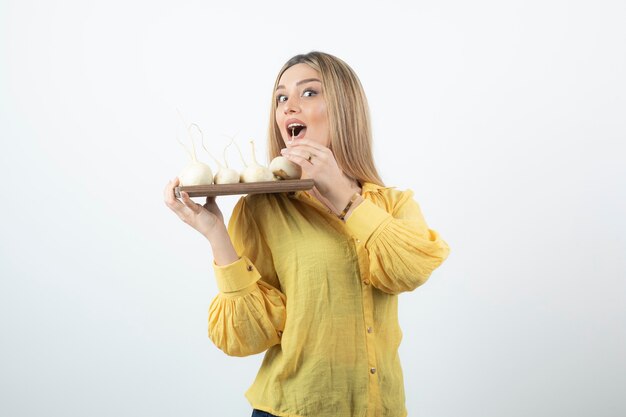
pixel 223 250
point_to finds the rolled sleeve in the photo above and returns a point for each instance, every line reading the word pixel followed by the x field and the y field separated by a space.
pixel 236 277
pixel 366 220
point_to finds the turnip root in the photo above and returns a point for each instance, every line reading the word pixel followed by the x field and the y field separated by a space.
pixel 226 175
pixel 284 169
pixel 196 173
pixel 256 172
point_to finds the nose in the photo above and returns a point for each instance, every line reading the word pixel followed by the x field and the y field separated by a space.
pixel 292 105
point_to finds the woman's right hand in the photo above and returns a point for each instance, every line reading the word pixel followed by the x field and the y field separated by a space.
pixel 204 218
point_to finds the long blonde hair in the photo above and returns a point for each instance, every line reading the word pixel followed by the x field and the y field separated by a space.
pixel 348 116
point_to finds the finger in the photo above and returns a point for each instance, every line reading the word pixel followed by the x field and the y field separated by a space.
pixel 321 154
pixel 311 145
pixel 210 201
pixel 189 203
pixel 168 191
pixel 304 162
pixel 307 150
pixel 168 194
pixel 302 153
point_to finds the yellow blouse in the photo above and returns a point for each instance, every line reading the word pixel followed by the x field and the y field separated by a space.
pixel 320 296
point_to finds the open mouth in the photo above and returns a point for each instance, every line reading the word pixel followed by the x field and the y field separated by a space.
pixel 296 131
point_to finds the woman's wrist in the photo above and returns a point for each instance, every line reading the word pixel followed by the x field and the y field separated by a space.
pixel 345 198
pixel 357 201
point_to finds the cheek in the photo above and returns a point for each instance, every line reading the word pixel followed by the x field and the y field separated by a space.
pixel 321 114
pixel 278 121
pixel 321 117
pixel 277 116
pixel 323 123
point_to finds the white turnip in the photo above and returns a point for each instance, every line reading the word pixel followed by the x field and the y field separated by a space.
pixel 196 172
pixel 226 175
pixel 284 169
pixel 255 172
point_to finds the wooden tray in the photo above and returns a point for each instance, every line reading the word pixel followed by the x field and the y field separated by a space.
pixel 280 186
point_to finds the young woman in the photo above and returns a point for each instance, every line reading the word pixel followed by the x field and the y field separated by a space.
pixel 312 277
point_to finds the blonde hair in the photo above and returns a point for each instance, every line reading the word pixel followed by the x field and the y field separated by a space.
pixel 348 116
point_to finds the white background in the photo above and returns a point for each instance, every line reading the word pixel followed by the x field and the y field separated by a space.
pixel 507 119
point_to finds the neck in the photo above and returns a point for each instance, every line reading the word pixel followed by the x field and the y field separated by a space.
pixel 327 203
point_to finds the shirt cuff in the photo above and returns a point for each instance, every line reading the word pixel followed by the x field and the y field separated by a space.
pixel 366 219
pixel 236 276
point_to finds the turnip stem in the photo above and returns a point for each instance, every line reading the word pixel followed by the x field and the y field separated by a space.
pixel 240 154
pixel 193 147
pixel 253 153
pixel 185 148
pixel 205 148
pixel 224 152
pixel 232 141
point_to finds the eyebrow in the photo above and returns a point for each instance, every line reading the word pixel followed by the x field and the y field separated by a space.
pixel 307 80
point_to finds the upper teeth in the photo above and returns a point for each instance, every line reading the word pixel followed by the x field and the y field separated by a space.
pixel 294 125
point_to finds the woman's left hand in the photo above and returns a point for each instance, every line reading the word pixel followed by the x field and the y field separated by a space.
pixel 319 163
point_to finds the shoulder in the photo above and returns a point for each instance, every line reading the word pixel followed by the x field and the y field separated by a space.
pixel 249 214
pixel 387 197
pixel 258 205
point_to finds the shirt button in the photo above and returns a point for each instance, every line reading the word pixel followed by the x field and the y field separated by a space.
pixel 372 371
pixel 249 267
pixel 358 241
pixel 370 330
pixel 280 333
pixel 366 282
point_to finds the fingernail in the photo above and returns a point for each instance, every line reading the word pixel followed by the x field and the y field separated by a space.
pixel 284 151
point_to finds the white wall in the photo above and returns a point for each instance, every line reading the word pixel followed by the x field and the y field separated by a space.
pixel 505 118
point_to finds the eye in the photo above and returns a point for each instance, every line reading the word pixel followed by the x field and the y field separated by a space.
pixel 309 93
pixel 281 98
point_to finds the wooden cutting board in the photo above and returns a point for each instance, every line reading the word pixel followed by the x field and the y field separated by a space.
pixel 265 187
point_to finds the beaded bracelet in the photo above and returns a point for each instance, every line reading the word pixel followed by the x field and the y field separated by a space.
pixel 342 215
